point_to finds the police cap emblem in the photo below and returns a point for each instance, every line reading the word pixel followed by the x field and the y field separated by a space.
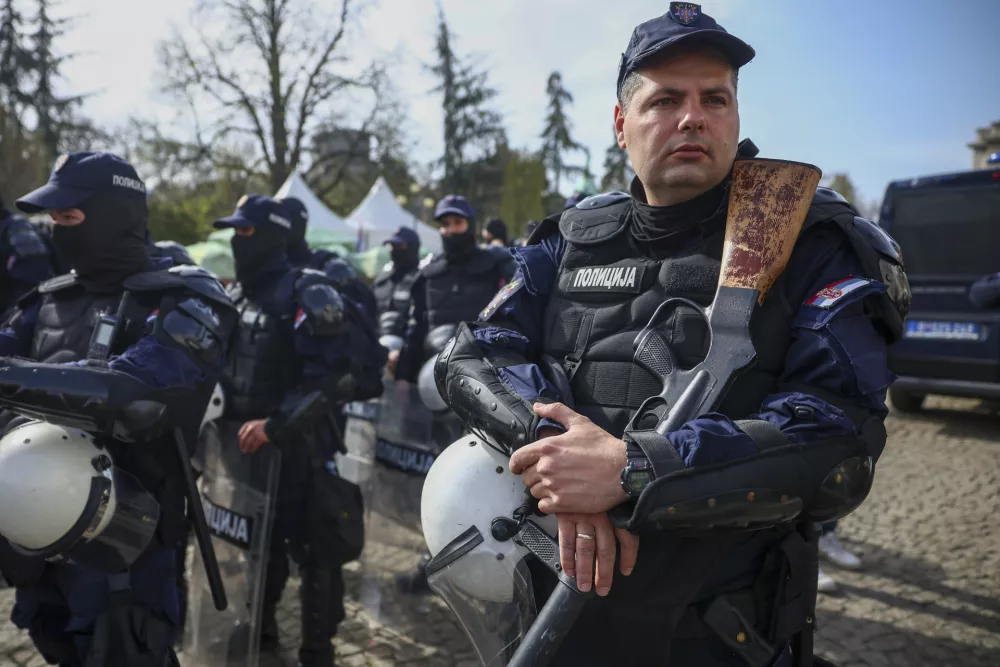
pixel 685 13
pixel 243 200
pixel 60 162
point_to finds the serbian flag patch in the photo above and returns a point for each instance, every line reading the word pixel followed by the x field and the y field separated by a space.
pixel 834 292
pixel 300 317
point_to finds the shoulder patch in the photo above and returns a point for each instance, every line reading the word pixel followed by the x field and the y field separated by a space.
pixel 505 293
pixel 828 296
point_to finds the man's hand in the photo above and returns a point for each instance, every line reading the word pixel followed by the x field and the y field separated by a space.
pixel 581 537
pixel 252 435
pixel 393 361
pixel 576 471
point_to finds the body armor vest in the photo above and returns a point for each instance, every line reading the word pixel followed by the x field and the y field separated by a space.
pixel 68 314
pixel 458 290
pixel 606 292
pixel 262 365
pixel 393 298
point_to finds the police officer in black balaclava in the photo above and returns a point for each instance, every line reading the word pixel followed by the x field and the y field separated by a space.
pixel 393 287
pixel 453 287
pixel 299 345
pixel 333 265
pixel 174 327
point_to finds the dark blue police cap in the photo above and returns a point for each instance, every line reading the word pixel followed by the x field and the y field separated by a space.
pixel 404 235
pixel 295 209
pixel 256 211
pixel 455 205
pixel 683 23
pixel 77 176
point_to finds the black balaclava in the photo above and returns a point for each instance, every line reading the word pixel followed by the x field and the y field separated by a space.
pixel 457 245
pixel 298 249
pixel 404 258
pixel 260 255
pixel 110 244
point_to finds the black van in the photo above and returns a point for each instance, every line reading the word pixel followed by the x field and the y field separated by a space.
pixel 948 227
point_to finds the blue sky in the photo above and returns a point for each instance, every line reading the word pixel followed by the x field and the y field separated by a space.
pixel 882 89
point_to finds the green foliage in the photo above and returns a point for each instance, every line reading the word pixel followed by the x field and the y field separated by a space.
pixel 842 183
pixel 523 189
pixel 617 170
pixel 472 132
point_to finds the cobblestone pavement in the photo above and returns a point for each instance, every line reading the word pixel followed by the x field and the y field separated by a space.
pixel 929 594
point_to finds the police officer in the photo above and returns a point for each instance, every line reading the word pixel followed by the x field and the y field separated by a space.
pixel 816 395
pixel 175 327
pixel 24 256
pixel 302 351
pixel 453 287
pixel 393 287
pixel 341 274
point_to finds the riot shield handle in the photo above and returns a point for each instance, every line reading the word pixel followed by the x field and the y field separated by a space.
pixel 197 513
pixel 559 612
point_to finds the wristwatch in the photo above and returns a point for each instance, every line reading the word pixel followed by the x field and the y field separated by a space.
pixel 638 471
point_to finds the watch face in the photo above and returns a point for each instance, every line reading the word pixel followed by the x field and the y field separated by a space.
pixel 638 480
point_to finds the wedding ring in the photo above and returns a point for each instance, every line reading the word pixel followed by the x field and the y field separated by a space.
pixel 584 536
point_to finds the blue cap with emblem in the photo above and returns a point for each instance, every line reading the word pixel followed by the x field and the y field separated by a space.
pixel 404 236
pixel 455 205
pixel 77 176
pixel 683 23
pixel 255 211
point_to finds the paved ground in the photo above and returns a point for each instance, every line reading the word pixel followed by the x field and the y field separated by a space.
pixel 929 596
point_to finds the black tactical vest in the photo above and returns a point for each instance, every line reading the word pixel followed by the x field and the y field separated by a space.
pixel 393 299
pixel 262 365
pixel 68 314
pixel 457 290
pixel 606 292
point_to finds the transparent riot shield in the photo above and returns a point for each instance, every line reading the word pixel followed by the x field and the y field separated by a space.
pixel 360 435
pixel 409 438
pixel 238 493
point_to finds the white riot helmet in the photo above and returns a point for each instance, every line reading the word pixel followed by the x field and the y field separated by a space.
pixel 429 394
pixel 485 580
pixel 62 497
pixel 216 405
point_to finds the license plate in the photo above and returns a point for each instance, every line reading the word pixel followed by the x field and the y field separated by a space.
pixel 943 330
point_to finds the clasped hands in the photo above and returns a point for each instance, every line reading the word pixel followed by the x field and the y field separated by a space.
pixel 576 475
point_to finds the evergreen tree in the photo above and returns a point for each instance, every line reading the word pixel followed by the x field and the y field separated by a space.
pixel 55 117
pixel 617 170
pixel 556 139
pixel 469 123
pixel 15 61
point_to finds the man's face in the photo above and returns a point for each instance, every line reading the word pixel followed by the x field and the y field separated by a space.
pixel 67 217
pixel 682 125
pixel 244 231
pixel 452 224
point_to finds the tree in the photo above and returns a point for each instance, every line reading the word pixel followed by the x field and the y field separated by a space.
pixel 471 130
pixel 618 172
pixel 523 189
pixel 16 63
pixel 58 128
pixel 274 75
pixel 556 139
pixel 842 184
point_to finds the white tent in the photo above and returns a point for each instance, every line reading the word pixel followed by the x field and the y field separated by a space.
pixel 320 217
pixel 379 215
